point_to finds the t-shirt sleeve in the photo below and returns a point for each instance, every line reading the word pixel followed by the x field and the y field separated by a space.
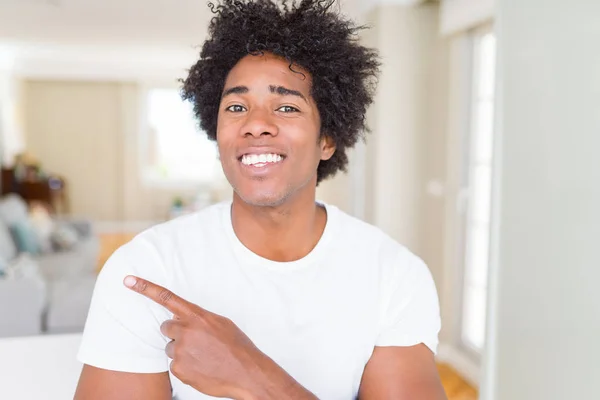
pixel 411 313
pixel 122 331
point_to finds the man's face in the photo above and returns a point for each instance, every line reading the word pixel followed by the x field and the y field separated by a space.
pixel 268 131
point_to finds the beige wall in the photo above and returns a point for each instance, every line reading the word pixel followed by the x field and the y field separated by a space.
pixel 433 114
pixel 88 132
pixel 75 130
pixel 337 191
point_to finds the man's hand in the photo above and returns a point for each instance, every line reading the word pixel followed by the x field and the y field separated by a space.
pixel 211 354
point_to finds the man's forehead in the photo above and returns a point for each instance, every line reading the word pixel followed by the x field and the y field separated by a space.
pixel 268 69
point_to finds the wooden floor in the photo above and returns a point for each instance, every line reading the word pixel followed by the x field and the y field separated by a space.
pixel 456 387
pixel 111 242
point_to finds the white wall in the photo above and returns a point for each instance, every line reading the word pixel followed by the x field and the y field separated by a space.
pixel 545 330
pixel 406 149
pixel 458 124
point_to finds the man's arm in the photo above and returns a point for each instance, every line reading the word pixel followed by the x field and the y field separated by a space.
pixel 101 384
pixel 400 373
pixel 212 355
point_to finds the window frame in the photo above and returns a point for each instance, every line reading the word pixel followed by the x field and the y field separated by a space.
pixel 144 143
pixel 468 143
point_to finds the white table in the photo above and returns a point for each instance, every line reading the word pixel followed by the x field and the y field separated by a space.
pixel 39 367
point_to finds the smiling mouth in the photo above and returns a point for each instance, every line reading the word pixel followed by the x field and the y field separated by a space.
pixel 261 160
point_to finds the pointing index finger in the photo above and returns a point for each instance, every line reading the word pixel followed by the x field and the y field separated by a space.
pixel 160 295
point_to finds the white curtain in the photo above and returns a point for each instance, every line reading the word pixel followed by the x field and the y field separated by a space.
pixel 11 135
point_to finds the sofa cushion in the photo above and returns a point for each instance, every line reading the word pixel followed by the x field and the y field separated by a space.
pixel 22 267
pixel 25 237
pixel 82 226
pixel 64 237
pixel 88 249
pixel 13 209
pixel 61 265
pixel 43 224
pixel 8 249
pixel 81 260
pixel 69 301
pixel 22 303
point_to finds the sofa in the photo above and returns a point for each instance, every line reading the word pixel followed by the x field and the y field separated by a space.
pixel 52 293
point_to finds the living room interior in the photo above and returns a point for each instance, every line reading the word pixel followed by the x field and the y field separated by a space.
pixel 97 146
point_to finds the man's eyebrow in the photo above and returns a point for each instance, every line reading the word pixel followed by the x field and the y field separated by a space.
pixel 283 91
pixel 235 90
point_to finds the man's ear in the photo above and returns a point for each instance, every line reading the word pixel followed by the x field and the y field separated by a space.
pixel 327 147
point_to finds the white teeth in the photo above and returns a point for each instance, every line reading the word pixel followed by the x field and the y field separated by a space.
pixel 253 159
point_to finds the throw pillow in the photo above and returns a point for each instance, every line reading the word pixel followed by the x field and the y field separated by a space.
pixel 3 266
pixel 64 237
pixel 43 225
pixel 22 267
pixel 25 237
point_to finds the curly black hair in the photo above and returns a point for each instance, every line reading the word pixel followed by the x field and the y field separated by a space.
pixel 309 34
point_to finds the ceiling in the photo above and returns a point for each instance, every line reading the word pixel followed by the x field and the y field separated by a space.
pixel 104 21
pixel 110 39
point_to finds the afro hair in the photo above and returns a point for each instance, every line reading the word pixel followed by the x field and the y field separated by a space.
pixel 309 34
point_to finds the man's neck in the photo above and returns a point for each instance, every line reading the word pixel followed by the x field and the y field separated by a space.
pixel 283 233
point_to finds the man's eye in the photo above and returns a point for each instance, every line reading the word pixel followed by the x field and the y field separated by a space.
pixel 288 109
pixel 235 108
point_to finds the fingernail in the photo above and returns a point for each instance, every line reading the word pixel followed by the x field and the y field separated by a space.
pixel 129 281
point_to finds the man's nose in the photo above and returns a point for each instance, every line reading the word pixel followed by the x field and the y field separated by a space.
pixel 260 122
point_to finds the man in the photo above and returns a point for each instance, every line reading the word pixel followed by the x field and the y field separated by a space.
pixel 272 295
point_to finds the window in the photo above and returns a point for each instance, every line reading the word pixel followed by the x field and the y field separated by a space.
pixel 175 151
pixel 477 214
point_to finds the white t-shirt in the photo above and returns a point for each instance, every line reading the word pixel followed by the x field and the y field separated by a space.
pixel 319 318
